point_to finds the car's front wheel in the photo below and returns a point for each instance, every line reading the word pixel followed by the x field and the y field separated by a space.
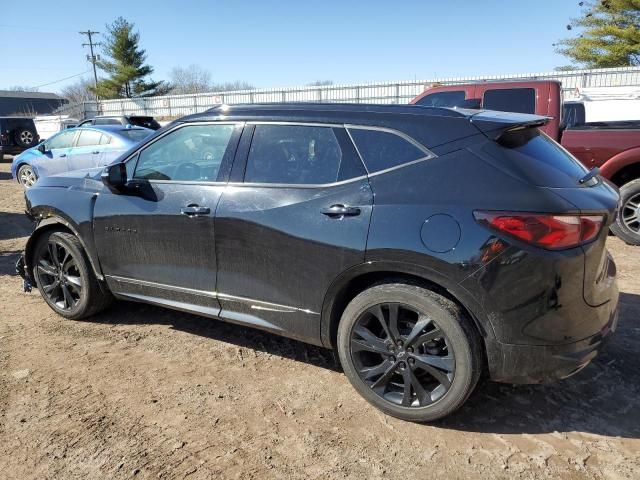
pixel 410 352
pixel 27 176
pixel 65 278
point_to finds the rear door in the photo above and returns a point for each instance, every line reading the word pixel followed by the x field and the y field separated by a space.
pixel 298 220
pixel 87 151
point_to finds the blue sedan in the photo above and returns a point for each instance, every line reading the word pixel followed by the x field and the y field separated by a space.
pixel 75 149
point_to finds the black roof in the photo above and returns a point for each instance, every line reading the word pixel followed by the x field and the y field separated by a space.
pixel 300 110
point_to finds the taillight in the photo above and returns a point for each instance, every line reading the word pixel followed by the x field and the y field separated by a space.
pixel 553 232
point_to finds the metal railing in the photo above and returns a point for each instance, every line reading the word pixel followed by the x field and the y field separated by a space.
pixel 384 92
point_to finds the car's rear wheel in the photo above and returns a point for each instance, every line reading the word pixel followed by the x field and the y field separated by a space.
pixel 64 277
pixel 27 176
pixel 627 224
pixel 410 352
pixel 25 137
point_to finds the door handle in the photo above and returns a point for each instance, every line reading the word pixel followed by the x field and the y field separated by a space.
pixel 195 210
pixel 96 152
pixel 62 155
pixel 339 211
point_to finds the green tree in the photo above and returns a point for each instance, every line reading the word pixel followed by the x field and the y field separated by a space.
pixel 610 35
pixel 126 66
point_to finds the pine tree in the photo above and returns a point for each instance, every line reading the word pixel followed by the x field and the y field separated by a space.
pixel 610 35
pixel 126 65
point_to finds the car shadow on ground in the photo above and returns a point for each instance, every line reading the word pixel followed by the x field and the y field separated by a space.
pixel 5 176
pixel 14 225
pixel 8 262
pixel 601 399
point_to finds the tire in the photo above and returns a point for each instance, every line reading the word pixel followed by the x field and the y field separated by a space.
pixel 72 272
pixel 27 176
pixel 25 137
pixel 458 340
pixel 627 224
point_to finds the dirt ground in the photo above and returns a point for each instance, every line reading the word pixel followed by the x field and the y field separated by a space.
pixel 149 393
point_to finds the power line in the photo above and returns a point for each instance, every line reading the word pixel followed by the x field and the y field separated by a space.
pixel 92 57
pixel 62 79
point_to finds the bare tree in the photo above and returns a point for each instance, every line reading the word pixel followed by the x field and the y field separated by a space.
pixel 78 92
pixel 320 83
pixel 191 79
pixel 21 88
pixel 232 86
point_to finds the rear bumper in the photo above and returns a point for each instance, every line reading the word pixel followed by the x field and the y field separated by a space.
pixel 547 363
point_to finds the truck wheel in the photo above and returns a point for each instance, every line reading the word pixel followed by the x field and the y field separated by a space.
pixel 408 351
pixel 627 224
pixel 64 276
pixel 25 137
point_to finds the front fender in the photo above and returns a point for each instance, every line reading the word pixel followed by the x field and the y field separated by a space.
pixel 619 161
pixel 77 218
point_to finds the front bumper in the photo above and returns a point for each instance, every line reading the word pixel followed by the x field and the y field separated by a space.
pixel 547 363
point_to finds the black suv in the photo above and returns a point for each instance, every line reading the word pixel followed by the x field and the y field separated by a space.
pixel 424 244
pixel 16 135
pixel 135 120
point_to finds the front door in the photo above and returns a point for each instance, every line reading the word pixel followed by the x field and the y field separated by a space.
pixel 158 244
pixel 299 220
pixel 55 159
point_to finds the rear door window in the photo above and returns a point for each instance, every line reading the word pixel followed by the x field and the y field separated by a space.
pixel 382 149
pixel 519 100
pixel 443 99
pixel 88 138
pixel 294 154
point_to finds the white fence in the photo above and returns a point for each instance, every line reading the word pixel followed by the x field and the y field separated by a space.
pixel 387 92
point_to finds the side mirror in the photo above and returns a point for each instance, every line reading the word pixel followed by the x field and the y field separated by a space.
pixel 42 148
pixel 115 177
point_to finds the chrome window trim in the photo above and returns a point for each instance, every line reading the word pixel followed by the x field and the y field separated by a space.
pixel 255 304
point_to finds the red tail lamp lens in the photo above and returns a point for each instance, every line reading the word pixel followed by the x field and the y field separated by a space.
pixel 553 232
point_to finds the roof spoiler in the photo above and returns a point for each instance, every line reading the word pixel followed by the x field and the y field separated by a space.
pixel 495 124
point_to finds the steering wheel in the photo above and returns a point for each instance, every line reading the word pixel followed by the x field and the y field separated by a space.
pixel 187 171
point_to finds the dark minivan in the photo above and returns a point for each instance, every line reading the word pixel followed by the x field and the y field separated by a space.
pixel 424 244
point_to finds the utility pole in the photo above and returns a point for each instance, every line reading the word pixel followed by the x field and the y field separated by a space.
pixel 92 57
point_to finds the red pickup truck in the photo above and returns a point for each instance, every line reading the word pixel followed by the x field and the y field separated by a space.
pixel 613 147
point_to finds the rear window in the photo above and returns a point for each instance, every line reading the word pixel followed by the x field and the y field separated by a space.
pixel 382 149
pixel 135 135
pixel 146 122
pixel 536 158
pixel 442 99
pixel 519 100
pixel 573 114
pixel 107 121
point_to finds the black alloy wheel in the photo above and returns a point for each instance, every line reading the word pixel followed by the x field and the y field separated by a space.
pixel 402 355
pixel 58 274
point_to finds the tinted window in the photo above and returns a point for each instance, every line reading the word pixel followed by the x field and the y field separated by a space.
pixel 442 99
pixel 61 140
pixel 135 135
pixel 107 121
pixel 520 100
pixel 88 137
pixel 191 153
pixel 293 154
pixel 573 114
pixel 147 122
pixel 532 155
pixel 381 150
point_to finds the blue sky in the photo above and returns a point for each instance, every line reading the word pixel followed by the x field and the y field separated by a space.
pixel 287 43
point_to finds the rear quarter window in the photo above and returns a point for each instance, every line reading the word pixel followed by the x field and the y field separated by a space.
pixel 519 100
pixel 381 149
